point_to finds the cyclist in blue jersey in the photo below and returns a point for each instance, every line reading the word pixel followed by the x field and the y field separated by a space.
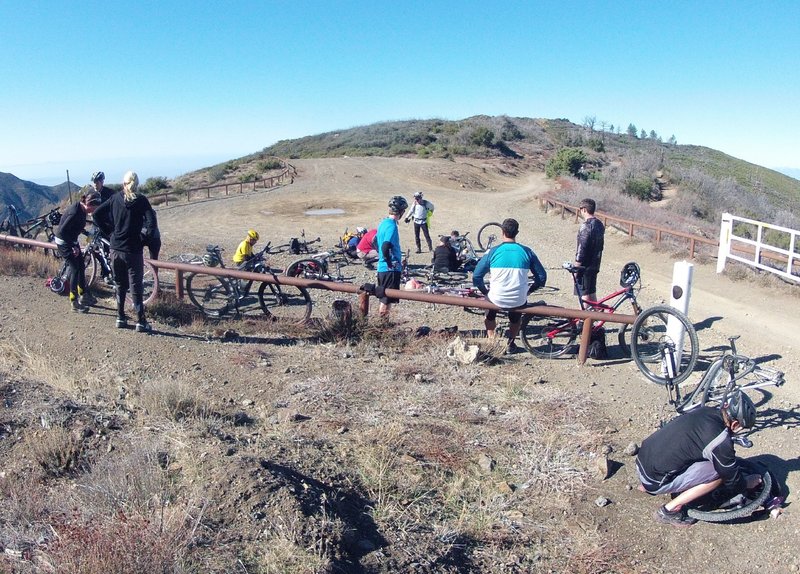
pixel 390 256
pixel 509 263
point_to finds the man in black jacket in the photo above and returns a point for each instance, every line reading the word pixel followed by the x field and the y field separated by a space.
pixel 70 227
pixel 589 252
pixel 693 454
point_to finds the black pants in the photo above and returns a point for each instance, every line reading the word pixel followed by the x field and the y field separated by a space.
pixel 424 227
pixel 128 275
pixel 76 270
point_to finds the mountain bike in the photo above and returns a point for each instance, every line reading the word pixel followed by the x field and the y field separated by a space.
pixel 489 235
pixel 217 296
pixel 298 245
pixel 728 374
pixel 97 259
pixel 317 266
pixel 555 337
pixel 33 228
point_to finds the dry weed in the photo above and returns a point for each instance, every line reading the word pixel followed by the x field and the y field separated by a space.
pixel 287 548
pixel 55 450
pixel 171 399
pixel 35 263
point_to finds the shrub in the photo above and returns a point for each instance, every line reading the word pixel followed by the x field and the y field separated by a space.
pixel 596 144
pixel 154 184
pixel 269 164
pixel 482 136
pixel 640 188
pixel 567 161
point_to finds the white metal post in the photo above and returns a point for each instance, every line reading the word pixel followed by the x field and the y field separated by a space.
pixel 682 274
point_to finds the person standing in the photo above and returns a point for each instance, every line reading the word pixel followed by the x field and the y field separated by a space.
pixel 124 217
pixel 390 256
pixel 509 263
pixel 98 183
pixel 589 251
pixel 421 213
pixel 70 227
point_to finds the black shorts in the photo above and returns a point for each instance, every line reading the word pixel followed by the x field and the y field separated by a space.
pixel 514 317
pixel 587 281
pixel 389 280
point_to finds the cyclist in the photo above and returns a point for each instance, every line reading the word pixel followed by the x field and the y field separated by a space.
pixel 693 454
pixel 366 250
pixel 69 229
pixel 444 256
pixel 589 251
pixel 245 250
pixel 390 256
pixel 98 183
pixel 125 216
pixel 421 213
pixel 351 247
pixel 509 263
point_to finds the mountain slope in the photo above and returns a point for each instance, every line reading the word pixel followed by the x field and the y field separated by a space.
pixel 31 199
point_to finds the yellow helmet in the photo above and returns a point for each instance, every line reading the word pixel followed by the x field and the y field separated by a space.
pixel 252 234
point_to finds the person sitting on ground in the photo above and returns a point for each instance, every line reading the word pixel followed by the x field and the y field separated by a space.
pixel 444 258
pixel 509 263
pixel 367 250
pixel 693 454
pixel 351 247
pixel 72 224
pixel 245 250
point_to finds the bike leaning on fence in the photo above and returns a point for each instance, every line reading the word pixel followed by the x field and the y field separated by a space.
pixel 217 296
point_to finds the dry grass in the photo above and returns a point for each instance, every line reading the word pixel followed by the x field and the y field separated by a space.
pixel 35 263
pixel 171 399
pixel 56 451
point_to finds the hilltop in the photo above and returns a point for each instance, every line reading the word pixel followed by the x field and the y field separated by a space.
pixel 31 199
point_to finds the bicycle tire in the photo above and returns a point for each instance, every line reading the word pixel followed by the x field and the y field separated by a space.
pixel 285 302
pixel 649 336
pixel 488 235
pixel 754 501
pixel 149 286
pixel 307 268
pixel 48 237
pixel 713 379
pixel 548 339
pixel 209 293
pixel 90 264
pixel 622 339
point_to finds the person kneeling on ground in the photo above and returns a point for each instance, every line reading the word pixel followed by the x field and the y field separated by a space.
pixel 693 454
pixel 351 247
pixel 444 257
pixel 367 250
pixel 245 250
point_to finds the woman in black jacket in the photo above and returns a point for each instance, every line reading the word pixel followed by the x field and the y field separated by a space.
pixel 124 217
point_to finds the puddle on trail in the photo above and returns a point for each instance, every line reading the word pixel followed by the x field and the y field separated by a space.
pixel 332 211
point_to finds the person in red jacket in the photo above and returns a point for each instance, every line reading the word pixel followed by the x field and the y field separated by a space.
pixel 366 250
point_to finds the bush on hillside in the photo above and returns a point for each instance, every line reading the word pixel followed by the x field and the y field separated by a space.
pixel 154 185
pixel 567 161
pixel 640 188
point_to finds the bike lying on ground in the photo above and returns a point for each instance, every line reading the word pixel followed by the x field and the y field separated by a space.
pixel 317 266
pixel 299 245
pixel 730 373
pixel 217 296
pixel 97 259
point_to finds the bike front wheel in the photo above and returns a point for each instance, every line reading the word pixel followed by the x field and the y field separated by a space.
pixel 210 294
pixel 91 265
pixel 650 342
pixel 285 302
pixel 307 269
pixel 489 235
pixel 549 338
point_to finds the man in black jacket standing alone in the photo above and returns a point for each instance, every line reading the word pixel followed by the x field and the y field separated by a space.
pixel 589 251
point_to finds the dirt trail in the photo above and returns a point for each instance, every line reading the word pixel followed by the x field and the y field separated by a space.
pixel 468 194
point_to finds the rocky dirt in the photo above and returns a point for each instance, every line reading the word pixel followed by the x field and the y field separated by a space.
pixel 237 375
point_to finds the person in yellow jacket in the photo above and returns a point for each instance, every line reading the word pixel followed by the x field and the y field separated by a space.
pixel 245 249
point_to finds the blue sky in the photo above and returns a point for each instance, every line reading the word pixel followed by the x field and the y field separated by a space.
pixel 170 86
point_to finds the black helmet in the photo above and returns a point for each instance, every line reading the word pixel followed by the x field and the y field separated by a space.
pixel 98 175
pixel 630 274
pixel 741 409
pixel 398 204
pixel 93 198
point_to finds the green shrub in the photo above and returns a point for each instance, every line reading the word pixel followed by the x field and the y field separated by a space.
pixel 567 161
pixel 640 188
pixel 596 144
pixel 269 164
pixel 154 185
pixel 482 136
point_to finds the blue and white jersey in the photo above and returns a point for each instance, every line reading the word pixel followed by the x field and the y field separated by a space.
pixel 388 232
pixel 509 264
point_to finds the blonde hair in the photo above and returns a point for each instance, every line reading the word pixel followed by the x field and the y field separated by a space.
pixel 130 183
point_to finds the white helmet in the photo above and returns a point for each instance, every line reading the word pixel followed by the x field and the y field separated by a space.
pixel 361 230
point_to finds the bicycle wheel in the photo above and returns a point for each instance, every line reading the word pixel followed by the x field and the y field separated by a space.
pixel 48 236
pixel 649 337
pixel 489 235
pixel 622 338
pixel 91 264
pixel 718 507
pixel 709 391
pixel 549 338
pixel 210 294
pixel 149 285
pixel 285 302
pixel 306 269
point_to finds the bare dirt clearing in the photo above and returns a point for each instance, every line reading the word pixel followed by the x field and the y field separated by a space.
pixel 278 380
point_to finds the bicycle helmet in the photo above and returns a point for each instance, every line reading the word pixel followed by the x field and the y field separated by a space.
pixel 398 204
pixel 361 230
pixel 209 260
pixel 253 234
pixel 740 408
pixel 418 195
pixel 630 274
pixel 54 217
pixel 93 198
pixel 98 175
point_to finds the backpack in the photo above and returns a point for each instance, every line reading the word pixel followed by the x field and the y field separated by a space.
pixel 597 344
pixel 346 239
pixel 294 246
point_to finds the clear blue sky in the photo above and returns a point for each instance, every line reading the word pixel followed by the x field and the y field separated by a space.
pixel 170 86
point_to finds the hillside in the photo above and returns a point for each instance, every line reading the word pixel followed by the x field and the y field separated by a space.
pixel 31 199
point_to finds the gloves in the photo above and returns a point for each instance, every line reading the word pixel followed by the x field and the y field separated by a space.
pixel 407 219
pixel 368 288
